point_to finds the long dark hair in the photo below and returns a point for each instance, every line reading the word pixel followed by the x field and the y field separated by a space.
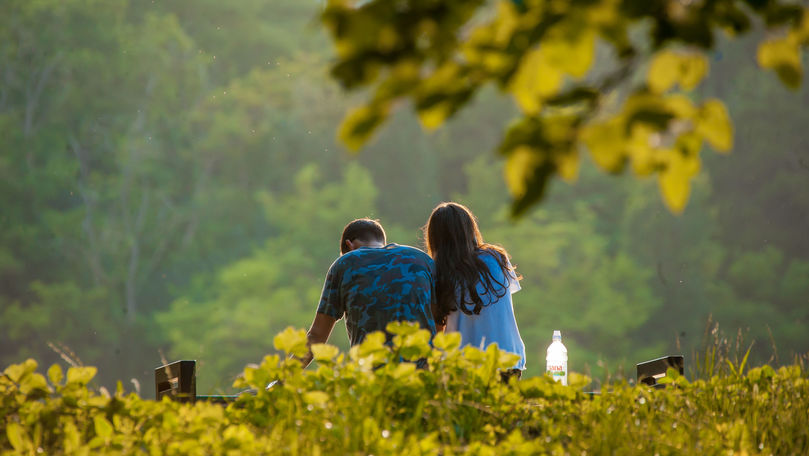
pixel 454 241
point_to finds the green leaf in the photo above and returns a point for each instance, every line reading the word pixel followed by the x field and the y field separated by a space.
pixel 571 48
pixel 606 144
pixel 316 397
pixel 403 371
pixel 784 56
pixel 373 342
pixel 506 360
pixel 371 351
pixel 17 372
pixel 473 354
pixel 402 328
pixel 447 341
pixel 441 94
pixel 713 123
pixel 567 165
pixel 663 72
pixel 103 427
pixel 675 179
pixel 55 374
pixel 732 368
pixel 413 346
pixel 72 438
pixel 537 182
pixel 292 341
pixel 578 381
pixel 324 352
pixel 669 68
pixel 534 80
pixel 81 375
pixel 17 436
pixel 32 383
pixel 520 165
pixel 693 69
pixel 433 116
pixel 358 126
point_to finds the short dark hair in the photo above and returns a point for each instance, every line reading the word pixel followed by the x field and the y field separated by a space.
pixel 363 229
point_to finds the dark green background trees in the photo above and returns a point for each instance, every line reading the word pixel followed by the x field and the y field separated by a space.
pixel 171 186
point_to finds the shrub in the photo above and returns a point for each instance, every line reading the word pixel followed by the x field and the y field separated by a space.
pixel 375 400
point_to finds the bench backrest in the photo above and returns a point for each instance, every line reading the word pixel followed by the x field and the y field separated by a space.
pixel 176 380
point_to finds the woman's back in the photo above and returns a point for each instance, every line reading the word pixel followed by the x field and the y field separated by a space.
pixel 496 322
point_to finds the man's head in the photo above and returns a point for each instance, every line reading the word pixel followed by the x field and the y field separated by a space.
pixel 360 233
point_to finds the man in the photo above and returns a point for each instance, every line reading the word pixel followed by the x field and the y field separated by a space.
pixel 373 284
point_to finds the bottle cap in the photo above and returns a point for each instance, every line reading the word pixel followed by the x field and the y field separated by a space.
pixel 557 335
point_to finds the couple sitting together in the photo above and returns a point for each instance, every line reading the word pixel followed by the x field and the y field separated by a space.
pixel 463 285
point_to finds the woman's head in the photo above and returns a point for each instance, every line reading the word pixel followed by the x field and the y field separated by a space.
pixel 452 230
pixel 454 242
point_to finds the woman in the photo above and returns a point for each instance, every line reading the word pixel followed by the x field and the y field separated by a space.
pixel 474 283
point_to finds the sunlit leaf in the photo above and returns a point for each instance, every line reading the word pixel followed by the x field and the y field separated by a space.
pixel 373 343
pixel 55 374
pixel 81 375
pixel 402 328
pixel 432 117
pixel 474 355
pixel 439 95
pixel 693 69
pixel 675 180
pixel 663 72
pixel 570 48
pixel 577 380
pixel 15 372
pixel 292 341
pixel 17 436
pixel 784 56
pixel 506 360
pixel 33 382
pixel 605 141
pixel 403 370
pixel 316 397
pixel 680 105
pixel 535 79
pixel 358 126
pixel 103 427
pixel 72 439
pixel 639 148
pixel 447 341
pixel 713 123
pixel 324 352
pixel 413 346
pixel 519 167
pixel 568 165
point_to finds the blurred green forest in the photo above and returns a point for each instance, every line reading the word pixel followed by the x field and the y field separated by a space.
pixel 171 188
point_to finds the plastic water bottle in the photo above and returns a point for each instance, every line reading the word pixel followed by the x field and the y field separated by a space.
pixel 556 360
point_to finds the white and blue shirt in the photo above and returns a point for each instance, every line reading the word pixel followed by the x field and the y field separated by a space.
pixel 496 323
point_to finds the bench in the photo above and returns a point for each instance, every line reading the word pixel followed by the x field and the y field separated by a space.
pixel 178 380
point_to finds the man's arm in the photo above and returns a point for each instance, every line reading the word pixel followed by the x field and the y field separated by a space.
pixel 318 333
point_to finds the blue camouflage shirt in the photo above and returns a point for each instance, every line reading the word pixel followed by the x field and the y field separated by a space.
pixel 372 287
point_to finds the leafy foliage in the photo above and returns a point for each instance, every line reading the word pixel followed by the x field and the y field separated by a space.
pixel 569 65
pixel 374 400
pixel 171 186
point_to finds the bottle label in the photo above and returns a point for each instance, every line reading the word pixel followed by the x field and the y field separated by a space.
pixel 556 370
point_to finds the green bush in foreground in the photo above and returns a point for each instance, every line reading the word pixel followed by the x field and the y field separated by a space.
pixel 456 406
